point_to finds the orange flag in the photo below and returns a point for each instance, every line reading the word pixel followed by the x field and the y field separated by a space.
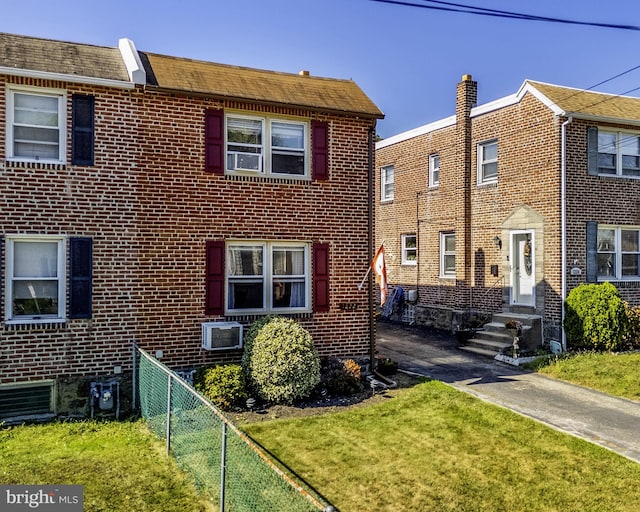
pixel 380 271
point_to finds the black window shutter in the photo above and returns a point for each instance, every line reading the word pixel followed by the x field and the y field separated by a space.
pixel 592 151
pixel 320 277
pixel 82 130
pixel 80 277
pixel 214 299
pixel 320 150
pixel 592 252
pixel 214 141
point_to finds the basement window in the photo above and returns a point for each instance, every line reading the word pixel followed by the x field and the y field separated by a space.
pixel 26 399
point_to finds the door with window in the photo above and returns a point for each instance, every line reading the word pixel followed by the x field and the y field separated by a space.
pixel 522 268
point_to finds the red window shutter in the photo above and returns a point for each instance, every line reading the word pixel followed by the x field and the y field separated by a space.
pixel 320 150
pixel 320 277
pixel 214 141
pixel 214 301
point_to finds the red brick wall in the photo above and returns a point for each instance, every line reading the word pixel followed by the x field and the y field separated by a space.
pixel 150 208
pixel 614 201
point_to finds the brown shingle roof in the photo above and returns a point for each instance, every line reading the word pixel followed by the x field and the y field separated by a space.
pixel 592 104
pixel 35 54
pixel 258 85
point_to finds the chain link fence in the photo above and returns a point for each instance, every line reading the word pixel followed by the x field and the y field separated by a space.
pixel 224 462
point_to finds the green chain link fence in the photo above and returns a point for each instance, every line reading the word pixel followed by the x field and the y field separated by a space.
pixel 224 462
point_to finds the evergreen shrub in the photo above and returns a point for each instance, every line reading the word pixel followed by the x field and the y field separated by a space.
pixel 224 385
pixel 283 364
pixel 595 318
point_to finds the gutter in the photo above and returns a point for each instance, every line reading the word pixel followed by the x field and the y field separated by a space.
pixel 63 77
pixel 563 226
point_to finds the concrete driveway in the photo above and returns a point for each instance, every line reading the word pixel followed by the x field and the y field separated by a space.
pixel 613 423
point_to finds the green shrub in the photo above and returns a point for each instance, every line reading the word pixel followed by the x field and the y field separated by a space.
pixel 340 378
pixel 249 336
pixel 595 317
pixel 283 363
pixel 632 336
pixel 224 385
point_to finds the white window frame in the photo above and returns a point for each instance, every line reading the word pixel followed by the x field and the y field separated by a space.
pixel 268 277
pixel 60 94
pixel 434 170
pixel 406 250
pixel 620 138
pixel 615 253
pixel 482 162
pixel 444 254
pixel 267 149
pixel 385 183
pixel 60 278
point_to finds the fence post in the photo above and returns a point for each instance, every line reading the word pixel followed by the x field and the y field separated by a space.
pixel 169 413
pixel 223 462
pixel 134 380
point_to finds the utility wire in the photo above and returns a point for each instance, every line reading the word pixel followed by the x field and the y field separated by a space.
pixel 481 11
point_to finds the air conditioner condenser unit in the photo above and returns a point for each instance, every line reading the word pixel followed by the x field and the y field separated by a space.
pixel 221 335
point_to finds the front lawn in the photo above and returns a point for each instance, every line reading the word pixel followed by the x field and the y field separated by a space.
pixel 121 465
pixel 616 374
pixel 432 448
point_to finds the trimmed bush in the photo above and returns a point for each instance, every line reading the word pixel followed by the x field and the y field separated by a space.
pixel 283 363
pixel 632 336
pixel 595 318
pixel 224 385
pixel 340 378
pixel 249 336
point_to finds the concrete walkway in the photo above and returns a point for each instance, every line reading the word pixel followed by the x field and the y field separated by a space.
pixel 613 423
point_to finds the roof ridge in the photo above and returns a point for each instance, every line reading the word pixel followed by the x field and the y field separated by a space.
pixel 246 68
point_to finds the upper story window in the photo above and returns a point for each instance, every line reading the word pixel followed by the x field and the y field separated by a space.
pixel 386 182
pixel 488 162
pixel 267 146
pixel 265 277
pixel 447 254
pixel 618 154
pixel 434 170
pixel 35 285
pixel 36 125
pixel 409 249
pixel 618 253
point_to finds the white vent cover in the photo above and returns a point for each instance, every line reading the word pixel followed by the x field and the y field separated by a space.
pixel 221 335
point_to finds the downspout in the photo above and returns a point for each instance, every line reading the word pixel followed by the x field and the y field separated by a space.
pixel 563 226
pixel 370 234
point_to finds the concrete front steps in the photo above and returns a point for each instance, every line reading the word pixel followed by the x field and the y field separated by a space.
pixel 494 338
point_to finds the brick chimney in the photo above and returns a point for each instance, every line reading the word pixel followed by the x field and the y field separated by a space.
pixel 466 99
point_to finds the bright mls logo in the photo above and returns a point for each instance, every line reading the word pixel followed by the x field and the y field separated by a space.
pixel 50 498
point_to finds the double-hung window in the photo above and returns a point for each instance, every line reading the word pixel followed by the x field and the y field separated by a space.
pixel 35 287
pixel 265 277
pixel 618 154
pixel 36 125
pixel 386 182
pixel 267 146
pixel 409 249
pixel 618 253
pixel 434 170
pixel 488 162
pixel 447 254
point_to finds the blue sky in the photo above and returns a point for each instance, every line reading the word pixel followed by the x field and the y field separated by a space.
pixel 408 60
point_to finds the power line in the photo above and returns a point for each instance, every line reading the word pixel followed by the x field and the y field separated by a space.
pixel 482 11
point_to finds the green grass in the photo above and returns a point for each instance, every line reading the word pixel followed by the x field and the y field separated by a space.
pixel 432 448
pixel 120 464
pixel 616 374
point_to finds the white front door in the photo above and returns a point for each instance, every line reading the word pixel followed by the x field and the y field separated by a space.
pixel 523 271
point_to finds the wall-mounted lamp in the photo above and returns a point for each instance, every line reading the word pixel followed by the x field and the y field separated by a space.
pixel 497 241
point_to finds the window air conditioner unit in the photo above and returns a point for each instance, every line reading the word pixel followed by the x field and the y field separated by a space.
pixel 221 335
